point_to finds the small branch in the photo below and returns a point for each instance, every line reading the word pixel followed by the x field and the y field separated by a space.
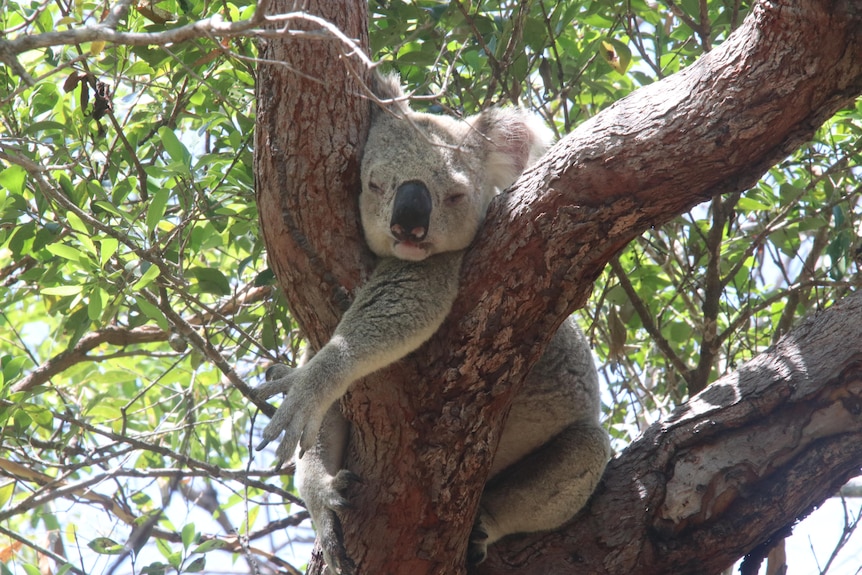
pixel 28 541
pixel 647 321
pixel 712 293
pixel 213 27
pixel 701 29
pixel 116 13
pixel 114 335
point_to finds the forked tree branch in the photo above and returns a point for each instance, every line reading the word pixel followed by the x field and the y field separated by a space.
pixel 425 429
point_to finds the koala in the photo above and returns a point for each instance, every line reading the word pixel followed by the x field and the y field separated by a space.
pixel 427 181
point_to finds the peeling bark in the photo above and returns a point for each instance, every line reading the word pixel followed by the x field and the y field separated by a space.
pixel 744 459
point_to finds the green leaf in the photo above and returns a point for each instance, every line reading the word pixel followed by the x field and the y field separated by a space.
pixel 6 491
pixel 155 568
pixel 105 546
pixel 196 566
pixel 13 366
pixel 153 312
pixel 43 416
pixel 147 277
pixel 210 545
pixel 249 520
pixel 211 280
pixel 751 205
pixel 164 548
pixel 188 534
pixel 62 291
pixel 108 249
pixel 12 178
pixel 111 209
pixel 157 208
pixel 264 278
pixel 76 223
pixel 95 303
pixel 66 252
pixel 176 150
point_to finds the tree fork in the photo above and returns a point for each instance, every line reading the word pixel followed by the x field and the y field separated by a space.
pixel 426 428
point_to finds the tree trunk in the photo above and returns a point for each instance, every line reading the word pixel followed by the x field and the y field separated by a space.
pixel 311 126
pixel 425 429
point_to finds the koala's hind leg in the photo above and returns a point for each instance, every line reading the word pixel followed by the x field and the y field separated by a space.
pixel 323 484
pixel 543 490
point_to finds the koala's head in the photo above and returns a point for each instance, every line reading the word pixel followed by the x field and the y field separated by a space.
pixel 427 180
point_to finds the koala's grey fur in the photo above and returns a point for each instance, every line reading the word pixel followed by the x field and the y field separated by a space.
pixel 427 181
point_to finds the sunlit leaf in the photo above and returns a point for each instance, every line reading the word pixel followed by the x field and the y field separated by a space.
pixel 6 491
pixel 156 211
pixel 188 534
pixel 147 277
pixel 12 178
pixel 62 290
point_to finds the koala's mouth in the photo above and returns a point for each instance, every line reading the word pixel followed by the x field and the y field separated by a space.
pixel 414 251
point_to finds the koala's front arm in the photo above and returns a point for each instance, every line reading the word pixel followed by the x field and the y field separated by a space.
pixel 400 308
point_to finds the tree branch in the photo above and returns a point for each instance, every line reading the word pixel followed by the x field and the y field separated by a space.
pixel 756 450
pixel 713 128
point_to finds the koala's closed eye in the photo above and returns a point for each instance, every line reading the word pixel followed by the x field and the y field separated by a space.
pixel 454 198
pixel 375 187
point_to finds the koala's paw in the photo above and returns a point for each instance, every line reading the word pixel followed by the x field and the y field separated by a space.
pixel 477 548
pixel 298 416
pixel 336 497
pixel 278 380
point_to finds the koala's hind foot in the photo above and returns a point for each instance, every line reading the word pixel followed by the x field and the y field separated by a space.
pixel 477 548
pixel 542 491
pixel 325 486
pixel 333 494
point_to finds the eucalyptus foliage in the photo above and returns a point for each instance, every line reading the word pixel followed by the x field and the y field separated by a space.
pixel 133 276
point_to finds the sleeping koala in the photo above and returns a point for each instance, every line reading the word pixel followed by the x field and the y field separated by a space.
pixel 427 181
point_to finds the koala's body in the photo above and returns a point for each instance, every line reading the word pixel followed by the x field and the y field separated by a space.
pixel 427 181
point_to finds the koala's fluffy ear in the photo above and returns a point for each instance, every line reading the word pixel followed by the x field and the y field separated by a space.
pixel 387 87
pixel 512 139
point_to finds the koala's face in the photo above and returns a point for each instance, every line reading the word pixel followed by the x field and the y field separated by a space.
pixel 427 180
pixel 424 190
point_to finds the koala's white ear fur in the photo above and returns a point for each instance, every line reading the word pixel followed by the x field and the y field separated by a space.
pixel 512 139
pixel 387 87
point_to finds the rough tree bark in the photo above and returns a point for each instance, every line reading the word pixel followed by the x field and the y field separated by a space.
pixel 728 471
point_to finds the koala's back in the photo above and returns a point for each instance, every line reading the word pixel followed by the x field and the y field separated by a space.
pixel 562 389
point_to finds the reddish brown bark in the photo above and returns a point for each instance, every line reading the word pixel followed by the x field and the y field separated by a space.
pixel 311 125
pixel 425 429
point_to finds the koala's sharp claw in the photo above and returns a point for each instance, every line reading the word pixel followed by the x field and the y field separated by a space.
pixel 263 443
pixel 306 441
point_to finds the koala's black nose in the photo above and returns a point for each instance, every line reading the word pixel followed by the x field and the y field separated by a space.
pixel 411 212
